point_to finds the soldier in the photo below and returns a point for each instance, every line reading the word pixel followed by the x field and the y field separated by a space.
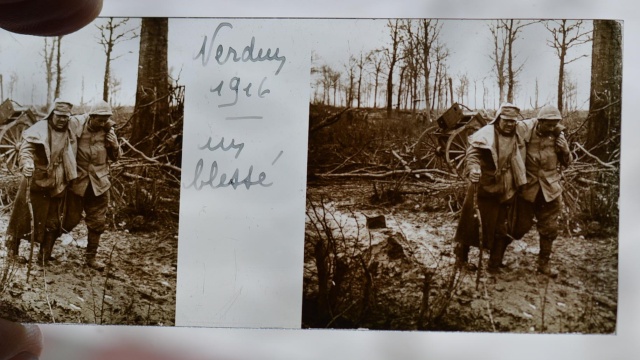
pixel 547 150
pixel 47 161
pixel 97 144
pixel 495 162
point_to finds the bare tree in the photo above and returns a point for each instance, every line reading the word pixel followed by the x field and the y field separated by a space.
pixel 512 28
pixel 114 89
pixel 112 33
pixel 605 109
pixel 441 53
pixel 376 61
pixel 392 59
pixel 403 68
pixel 47 55
pixel 151 112
pixel 463 89
pixel 429 30
pixel 411 56
pixel 59 67
pixel 485 94
pixel 325 81
pixel 570 92
pixel 350 67
pixel 537 105
pixel 504 34
pixel 335 84
pixel 361 63
pixel 499 54
pixel 565 35
pixel 13 83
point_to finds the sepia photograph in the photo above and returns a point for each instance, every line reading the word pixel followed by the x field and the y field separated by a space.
pixel 90 159
pixel 463 175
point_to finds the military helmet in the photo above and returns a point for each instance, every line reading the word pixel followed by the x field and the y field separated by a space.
pixel 60 107
pixel 101 108
pixel 549 112
pixel 507 111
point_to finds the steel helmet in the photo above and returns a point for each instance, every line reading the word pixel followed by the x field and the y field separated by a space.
pixel 549 112
pixel 60 107
pixel 507 111
pixel 101 108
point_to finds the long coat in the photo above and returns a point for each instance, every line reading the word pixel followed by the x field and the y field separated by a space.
pixel 496 190
pixel 35 145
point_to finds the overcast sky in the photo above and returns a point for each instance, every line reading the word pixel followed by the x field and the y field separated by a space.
pixel 468 41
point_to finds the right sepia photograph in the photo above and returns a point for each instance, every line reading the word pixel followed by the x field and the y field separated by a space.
pixel 463 175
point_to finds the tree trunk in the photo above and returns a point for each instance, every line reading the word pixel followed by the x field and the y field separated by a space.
pixel 563 54
pixel 48 63
pixel 603 128
pixel 58 69
pixel 375 93
pixel 510 70
pixel 107 74
pixel 400 88
pixel 151 113
pixel 392 63
pixel 359 88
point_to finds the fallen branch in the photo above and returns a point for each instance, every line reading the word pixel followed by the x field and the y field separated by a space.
pixel 46 290
pixel 609 165
pixel 486 295
pixel 380 175
pixel 404 163
pixel 144 156
pixel 328 121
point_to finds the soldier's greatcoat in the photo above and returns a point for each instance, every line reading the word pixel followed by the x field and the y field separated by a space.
pixel 55 167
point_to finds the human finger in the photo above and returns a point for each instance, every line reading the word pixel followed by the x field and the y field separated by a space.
pixel 19 341
pixel 47 17
pixel 562 142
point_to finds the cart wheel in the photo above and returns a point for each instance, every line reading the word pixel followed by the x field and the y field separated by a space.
pixel 430 150
pixel 10 139
pixel 457 150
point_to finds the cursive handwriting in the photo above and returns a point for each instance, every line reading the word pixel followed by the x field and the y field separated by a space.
pixel 234 86
pixel 220 145
pixel 214 181
pixel 248 53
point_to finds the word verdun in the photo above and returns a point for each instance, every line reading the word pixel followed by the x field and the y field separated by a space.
pixel 248 53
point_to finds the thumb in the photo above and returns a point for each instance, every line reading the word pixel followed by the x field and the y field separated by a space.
pixel 47 17
pixel 19 341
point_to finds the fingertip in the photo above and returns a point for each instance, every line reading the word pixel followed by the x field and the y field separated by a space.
pixel 21 340
pixel 25 356
pixel 48 18
pixel 34 334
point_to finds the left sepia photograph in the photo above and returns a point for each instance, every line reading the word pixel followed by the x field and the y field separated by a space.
pixel 90 163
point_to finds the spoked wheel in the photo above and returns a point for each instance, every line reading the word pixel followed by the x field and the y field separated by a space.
pixel 431 149
pixel 456 151
pixel 10 139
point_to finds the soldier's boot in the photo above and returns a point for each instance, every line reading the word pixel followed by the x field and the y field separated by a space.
pixel 46 247
pixel 13 249
pixel 93 241
pixel 543 258
pixel 461 252
pixel 496 255
pixel 50 239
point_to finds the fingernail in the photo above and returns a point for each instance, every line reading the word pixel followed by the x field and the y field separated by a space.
pixel 24 356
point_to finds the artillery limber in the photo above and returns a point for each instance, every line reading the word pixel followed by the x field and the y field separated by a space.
pixel 445 143
pixel 14 119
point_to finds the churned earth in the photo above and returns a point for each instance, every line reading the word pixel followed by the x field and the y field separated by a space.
pixel 137 287
pixel 581 299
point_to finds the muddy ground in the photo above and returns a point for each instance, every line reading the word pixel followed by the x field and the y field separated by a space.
pixel 138 286
pixel 581 299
